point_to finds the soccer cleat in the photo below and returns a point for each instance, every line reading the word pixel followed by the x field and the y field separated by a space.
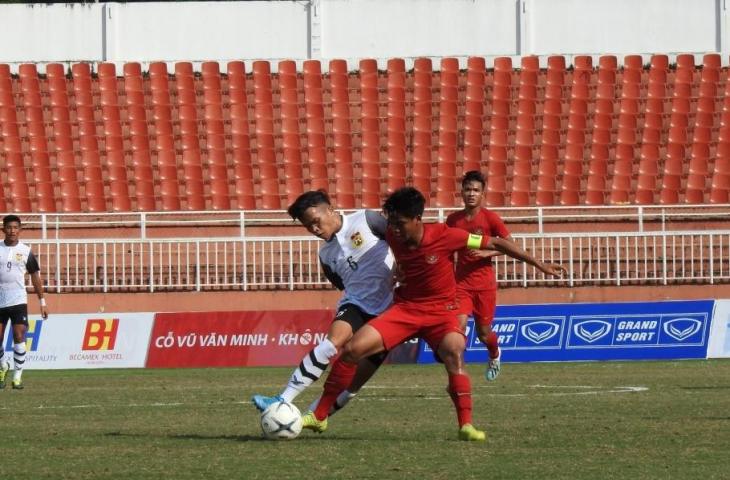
pixel 310 422
pixel 18 385
pixel 493 368
pixel 468 433
pixel 262 402
pixel 3 373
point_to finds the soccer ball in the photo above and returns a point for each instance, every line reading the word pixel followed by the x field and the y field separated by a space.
pixel 281 421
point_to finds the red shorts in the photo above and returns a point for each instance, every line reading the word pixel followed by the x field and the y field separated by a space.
pixel 401 322
pixel 480 303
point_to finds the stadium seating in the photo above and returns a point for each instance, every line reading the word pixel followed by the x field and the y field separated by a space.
pixel 606 131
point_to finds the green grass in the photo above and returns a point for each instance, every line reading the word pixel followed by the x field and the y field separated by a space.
pixel 543 421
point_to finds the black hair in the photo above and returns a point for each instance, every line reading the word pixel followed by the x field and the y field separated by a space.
pixel 473 176
pixel 406 201
pixel 10 218
pixel 307 200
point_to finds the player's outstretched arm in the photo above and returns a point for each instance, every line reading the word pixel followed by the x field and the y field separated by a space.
pixel 487 253
pixel 514 251
pixel 35 279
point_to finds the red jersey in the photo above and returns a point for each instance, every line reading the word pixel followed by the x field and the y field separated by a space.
pixel 428 269
pixel 477 273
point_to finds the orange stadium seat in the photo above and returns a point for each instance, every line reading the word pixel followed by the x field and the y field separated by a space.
pixel 240 141
pixel 315 125
pixel 591 134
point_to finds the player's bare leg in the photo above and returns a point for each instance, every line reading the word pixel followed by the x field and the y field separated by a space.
pixel 451 351
pixel 365 370
pixel 312 366
pixel 489 338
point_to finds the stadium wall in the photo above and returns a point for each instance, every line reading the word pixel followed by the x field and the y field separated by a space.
pixel 537 332
pixel 192 301
pixel 352 29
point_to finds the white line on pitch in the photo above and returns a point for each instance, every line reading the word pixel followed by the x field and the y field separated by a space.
pixel 624 389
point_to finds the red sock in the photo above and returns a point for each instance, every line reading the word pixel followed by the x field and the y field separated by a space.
pixel 460 392
pixel 492 344
pixel 337 381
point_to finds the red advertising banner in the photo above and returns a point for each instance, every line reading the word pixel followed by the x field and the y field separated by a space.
pixel 235 339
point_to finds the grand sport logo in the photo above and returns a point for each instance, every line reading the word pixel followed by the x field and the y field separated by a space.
pixel 592 330
pixel 540 332
pixel 681 329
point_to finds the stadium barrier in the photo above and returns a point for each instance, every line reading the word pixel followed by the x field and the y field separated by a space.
pixel 142 225
pixel 595 331
pixel 291 263
pixel 90 340
pixel 719 345
pixel 527 333
pixel 230 339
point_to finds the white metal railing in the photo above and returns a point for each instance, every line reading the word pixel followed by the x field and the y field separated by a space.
pixel 292 263
pixel 52 226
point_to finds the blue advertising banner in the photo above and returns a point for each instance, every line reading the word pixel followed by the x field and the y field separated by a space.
pixel 594 331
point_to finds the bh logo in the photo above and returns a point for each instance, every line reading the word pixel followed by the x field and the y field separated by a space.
pixel 100 334
pixel 539 332
pixel 591 330
pixel 32 336
pixel 681 329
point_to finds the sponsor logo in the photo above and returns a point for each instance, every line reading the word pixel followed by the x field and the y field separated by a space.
pixel 32 336
pixel 515 333
pixel 356 239
pixel 681 329
pixel 19 257
pixel 431 259
pixel 506 332
pixel 592 330
pixel 637 330
pixel 540 332
pixel 100 334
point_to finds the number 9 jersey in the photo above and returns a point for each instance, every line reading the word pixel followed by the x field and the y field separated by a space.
pixel 17 260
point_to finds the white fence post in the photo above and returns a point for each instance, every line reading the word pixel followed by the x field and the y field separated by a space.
pixel 58 266
pixel 77 261
pixel 197 265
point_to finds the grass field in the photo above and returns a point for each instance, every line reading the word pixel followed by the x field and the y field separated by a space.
pixel 543 420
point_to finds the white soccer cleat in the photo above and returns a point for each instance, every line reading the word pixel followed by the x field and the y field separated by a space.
pixel 493 368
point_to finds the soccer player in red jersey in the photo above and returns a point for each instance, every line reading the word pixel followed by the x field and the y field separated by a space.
pixel 476 284
pixel 424 304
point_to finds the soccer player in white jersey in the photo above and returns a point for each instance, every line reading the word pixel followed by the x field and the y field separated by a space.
pixel 17 260
pixel 356 259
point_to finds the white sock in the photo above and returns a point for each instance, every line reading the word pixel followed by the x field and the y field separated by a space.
pixel 342 400
pixel 19 360
pixel 309 370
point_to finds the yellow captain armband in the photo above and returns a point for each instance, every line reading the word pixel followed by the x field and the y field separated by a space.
pixel 474 242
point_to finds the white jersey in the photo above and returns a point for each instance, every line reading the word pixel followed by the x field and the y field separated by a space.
pixel 358 260
pixel 16 262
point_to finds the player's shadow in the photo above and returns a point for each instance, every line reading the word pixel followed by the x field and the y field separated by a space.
pixel 232 438
pixel 188 436
pixel 235 438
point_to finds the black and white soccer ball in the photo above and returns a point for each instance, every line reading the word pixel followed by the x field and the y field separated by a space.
pixel 281 421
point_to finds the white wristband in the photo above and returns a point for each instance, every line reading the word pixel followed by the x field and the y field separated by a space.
pixel 43 302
